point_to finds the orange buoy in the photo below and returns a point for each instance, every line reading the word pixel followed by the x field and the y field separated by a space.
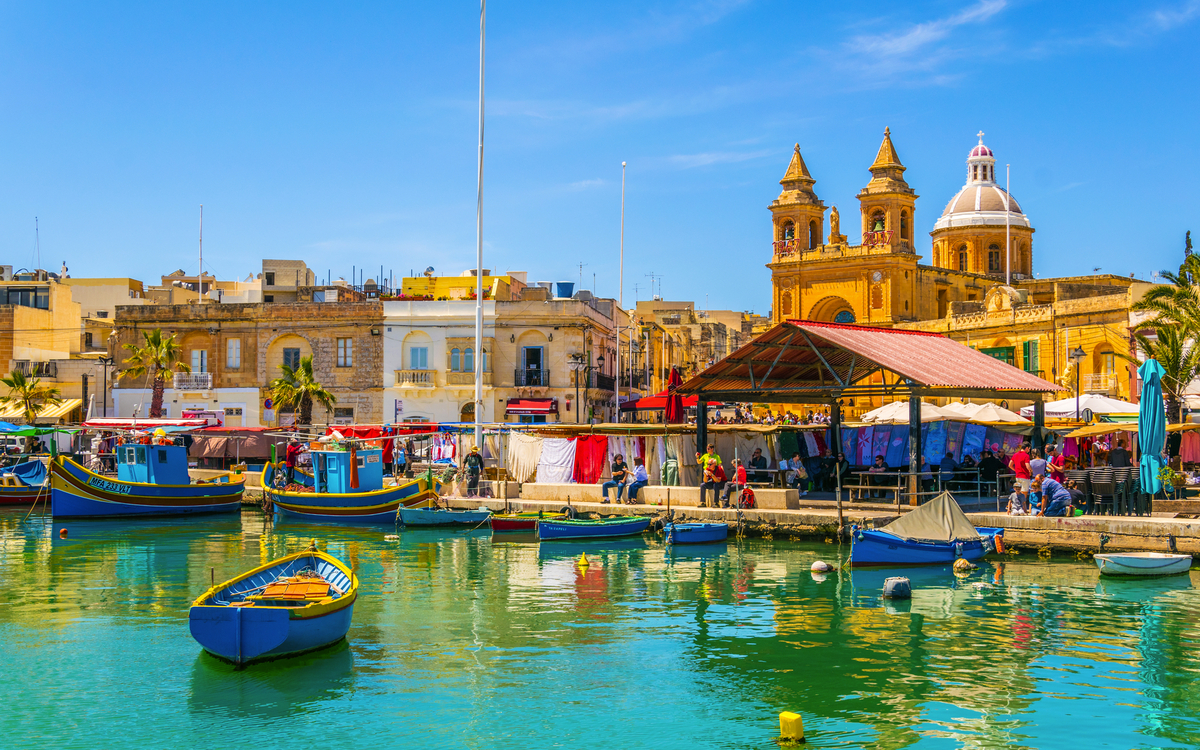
pixel 62 533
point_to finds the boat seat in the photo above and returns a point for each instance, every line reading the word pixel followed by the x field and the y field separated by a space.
pixel 294 590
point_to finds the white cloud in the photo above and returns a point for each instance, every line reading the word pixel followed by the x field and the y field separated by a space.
pixel 1169 18
pixel 922 35
pixel 586 184
pixel 690 161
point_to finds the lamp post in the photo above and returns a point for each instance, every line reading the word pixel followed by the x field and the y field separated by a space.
pixel 104 363
pixel 1077 355
pixel 600 367
pixel 577 363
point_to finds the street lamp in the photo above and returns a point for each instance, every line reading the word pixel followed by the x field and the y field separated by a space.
pixel 577 364
pixel 1077 356
pixel 600 367
pixel 104 363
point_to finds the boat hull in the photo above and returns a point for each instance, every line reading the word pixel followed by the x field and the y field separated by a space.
pixel 1142 564
pixel 76 492
pixel 245 634
pixel 695 533
pixel 23 495
pixel 378 506
pixel 632 526
pixel 440 517
pixel 878 548
pixel 521 521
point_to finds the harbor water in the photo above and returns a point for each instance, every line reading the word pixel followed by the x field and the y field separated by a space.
pixel 469 640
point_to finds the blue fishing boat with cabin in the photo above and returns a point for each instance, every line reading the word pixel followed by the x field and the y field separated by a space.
pixel 936 533
pixel 695 533
pixel 604 528
pixel 292 605
pixel 152 480
pixel 346 486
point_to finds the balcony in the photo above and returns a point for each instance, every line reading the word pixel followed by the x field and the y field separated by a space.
pixel 466 378
pixel 635 382
pixel 603 382
pixel 530 377
pixel 36 369
pixel 192 381
pixel 416 378
pixel 1105 382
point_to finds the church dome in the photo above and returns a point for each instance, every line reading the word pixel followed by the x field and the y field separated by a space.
pixel 981 201
pixel 980 150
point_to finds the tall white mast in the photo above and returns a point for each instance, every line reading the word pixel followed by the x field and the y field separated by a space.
pixel 620 297
pixel 200 278
pixel 1007 228
pixel 479 244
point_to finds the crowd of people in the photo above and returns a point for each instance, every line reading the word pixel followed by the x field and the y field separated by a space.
pixel 744 415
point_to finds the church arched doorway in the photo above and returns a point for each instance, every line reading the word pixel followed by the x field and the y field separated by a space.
pixel 833 310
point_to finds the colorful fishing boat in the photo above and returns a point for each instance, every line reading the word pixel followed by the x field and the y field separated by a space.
pixel 23 483
pixel 604 528
pixel 152 480
pixel 1142 563
pixel 346 486
pixel 522 521
pixel 434 516
pixel 295 604
pixel 695 533
pixel 936 533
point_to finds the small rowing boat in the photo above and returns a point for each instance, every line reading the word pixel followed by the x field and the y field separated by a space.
pixel 442 517
pixel 1142 564
pixel 295 604
pixel 604 528
pixel 23 483
pixel 523 521
pixel 936 533
pixel 695 533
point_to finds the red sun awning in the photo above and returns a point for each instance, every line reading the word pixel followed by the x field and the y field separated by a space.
pixel 659 401
pixel 532 406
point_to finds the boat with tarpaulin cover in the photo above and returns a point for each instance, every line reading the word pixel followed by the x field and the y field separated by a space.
pixel 23 483
pixel 345 485
pixel 289 606
pixel 151 480
pixel 938 532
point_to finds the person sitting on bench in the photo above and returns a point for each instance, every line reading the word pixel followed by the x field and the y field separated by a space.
pixel 737 483
pixel 758 461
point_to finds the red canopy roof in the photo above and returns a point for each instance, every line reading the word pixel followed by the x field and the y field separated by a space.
pixel 532 406
pixel 659 401
pixel 125 423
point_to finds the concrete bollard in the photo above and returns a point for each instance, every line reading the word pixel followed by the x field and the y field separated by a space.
pixel 897 588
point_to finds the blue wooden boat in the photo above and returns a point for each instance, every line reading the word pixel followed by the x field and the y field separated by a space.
pixel 295 604
pixel 432 516
pixel 23 483
pixel 151 480
pixel 604 528
pixel 935 534
pixel 336 497
pixel 695 533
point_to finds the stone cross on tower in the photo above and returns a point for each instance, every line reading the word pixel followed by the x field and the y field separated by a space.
pixel 980 134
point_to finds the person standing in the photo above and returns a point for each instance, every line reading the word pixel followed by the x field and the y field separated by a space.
pixel 620 470
pixel 640 480
pixel 1119 457
pixel 989 469
pixel 1019 465
pixel 290 455
pixel 399 458
pixel 474 464
pixel 1056 465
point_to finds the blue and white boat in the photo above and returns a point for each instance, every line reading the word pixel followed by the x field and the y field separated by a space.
pixel 152 480
pixel 934 534
pixel 695 533
pixel 432 516
pixel 604 528
pixel 345 493
pixel 295 604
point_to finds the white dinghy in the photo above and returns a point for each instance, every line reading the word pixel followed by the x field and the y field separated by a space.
pixel 1142 564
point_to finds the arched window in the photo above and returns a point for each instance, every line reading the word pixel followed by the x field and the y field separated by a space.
pixel 962 258
pixel 469 360
pixel 878 222
pixel 994 259
pixel 467 413
pixel 845 316
pixel 904 226
pixel 789 231
pixel 814 234
pixel 455 360
pixel 785 302
pixel 484 359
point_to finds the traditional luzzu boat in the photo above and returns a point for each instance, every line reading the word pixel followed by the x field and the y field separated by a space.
pixel 936 533
pixel 23 483
pixel 295 604
pixel 347 486
pixel 522 521
pixel 695 533
pixel 604 528
pixel 152 480
pixel 434 516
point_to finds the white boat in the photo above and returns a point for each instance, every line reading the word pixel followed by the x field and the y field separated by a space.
pixel 441 517
pixel 1142 564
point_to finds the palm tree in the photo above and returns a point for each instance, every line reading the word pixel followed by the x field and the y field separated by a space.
pixel 298 389
pixel 1177 352
pixel 1178 301
pixel 29 394
pixel 158 356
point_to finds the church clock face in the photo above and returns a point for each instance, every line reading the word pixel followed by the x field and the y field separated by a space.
pixel 877 277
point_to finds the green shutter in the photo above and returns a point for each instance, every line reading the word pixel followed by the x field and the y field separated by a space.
pixel 1031 362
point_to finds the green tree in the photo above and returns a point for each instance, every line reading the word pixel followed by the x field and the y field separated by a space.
pixel 1177 301
pixel 157 357
pixel 28 394
pixel 298 388
pixel 1175 349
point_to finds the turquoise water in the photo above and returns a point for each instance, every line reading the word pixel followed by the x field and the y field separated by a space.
pixel 471 641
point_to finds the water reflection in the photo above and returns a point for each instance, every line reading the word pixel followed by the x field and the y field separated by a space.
pixel 274 689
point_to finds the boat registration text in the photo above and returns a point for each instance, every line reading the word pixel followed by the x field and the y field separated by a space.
pixel 107 486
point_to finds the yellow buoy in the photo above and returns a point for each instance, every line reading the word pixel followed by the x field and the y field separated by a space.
pixel 583 561
pixel 791 727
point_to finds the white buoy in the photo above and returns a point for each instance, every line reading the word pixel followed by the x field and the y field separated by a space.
pixel 820 566
pixel 897 588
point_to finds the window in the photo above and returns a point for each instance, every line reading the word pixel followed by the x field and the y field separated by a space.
pixel 102 313
pixel 345 352
pixel 233 354
pixel 904 226
pixel 199 360
pixel 291 357
pixel 789 231
pixel 962 258
pixel 814 234
pixel 532 419
pixel 270 278
pixel 455 360
pixel 87 340
pixel 1002 353
pixel 845 316
pixel 162 455
pixel 233 411
pixel 418 358
pixel 994 258
pixel 343 415
pixel 469 360
pixel 1031 360
pixel 878 222
pixel 271 298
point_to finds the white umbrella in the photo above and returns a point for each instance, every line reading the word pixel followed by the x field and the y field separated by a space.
pixel 897 413
pixel 1065 409
pixel 990 412
pixel 959 408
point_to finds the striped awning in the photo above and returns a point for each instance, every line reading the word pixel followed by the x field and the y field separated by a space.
pixel 46 414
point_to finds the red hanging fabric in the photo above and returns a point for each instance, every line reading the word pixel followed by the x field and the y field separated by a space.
pixel 353 467
pixel 591 452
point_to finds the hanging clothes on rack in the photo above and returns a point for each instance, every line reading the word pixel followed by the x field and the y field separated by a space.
pixel 557 463
pixel 810 442
pixel 591 453
pixel 524 453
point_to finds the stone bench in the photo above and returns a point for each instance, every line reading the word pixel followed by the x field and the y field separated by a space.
pixel 650 495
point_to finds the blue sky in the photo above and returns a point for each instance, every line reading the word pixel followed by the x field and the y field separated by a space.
pixel 344 134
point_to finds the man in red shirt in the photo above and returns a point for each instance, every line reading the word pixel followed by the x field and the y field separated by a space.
pixel 1019 464
pixel 293 452
pixel 738 483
